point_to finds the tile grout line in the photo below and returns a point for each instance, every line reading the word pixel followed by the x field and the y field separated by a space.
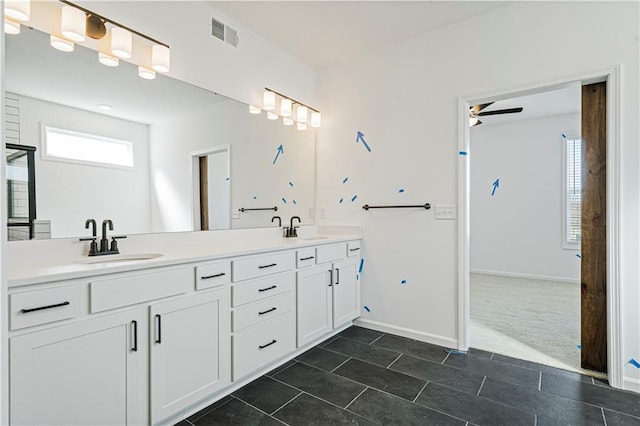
pixel 603 416
pixel 420 393
pixel 445 358
pixel 286 403
pixel 393 362
pixel 341 364
pixel 540 381
pixel 377 338
pixel 481 385
pixel 213 409
pixel 295 361
pixel 254 407
pixel 357 396
pixel 535 419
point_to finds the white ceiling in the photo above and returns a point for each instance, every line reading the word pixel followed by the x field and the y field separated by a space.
pixel 323 33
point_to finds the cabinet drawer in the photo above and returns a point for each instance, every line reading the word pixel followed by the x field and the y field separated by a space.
pixel 255 290
pixel 353 248
pixel 133 288
pixel 306 257
pixel 331 252
pixel 37 307
pixel 213 274
pixel 258 266
pixel 254 313
pixel 263 344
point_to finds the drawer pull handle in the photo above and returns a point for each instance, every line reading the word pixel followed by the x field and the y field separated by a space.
pixel 268 288
pixel 40 308
pixel 306 258
pixel 267 311
pixel 267 266
pixel 355 249
pixel 330 277
pixel 337 276
pixel 135 336
pixel 221 274
pixel 159 320
pixel 268 344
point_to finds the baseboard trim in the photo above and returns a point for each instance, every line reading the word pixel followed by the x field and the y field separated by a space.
pixel 530 276
pixel 631 384
pixel 407 332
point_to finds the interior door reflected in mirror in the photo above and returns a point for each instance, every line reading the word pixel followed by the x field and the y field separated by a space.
pixel 163 121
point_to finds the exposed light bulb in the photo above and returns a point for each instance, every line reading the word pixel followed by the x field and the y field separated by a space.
pixel 121 41
pixel 268 101
pixel 272 116
pixel 146 73
pixel 301 126
pixel 316 119
pixel 160 58
pixel 286 105
pixel 108 60
pixel 301 114
pixel 287 121
pixel 73 24
pixel 11 27
pixel 61 44
pixel 254 109
pixel 17 9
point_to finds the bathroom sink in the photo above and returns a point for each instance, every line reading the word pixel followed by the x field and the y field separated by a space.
pixel 313 237
pixel 119 257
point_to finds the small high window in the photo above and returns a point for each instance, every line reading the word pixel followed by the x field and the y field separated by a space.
pixel 572 193
pixel 76 147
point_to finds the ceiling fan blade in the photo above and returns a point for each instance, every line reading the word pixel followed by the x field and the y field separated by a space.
pixel 477 108
pixel 500 111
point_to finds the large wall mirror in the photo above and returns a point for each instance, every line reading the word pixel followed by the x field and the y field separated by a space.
pixel 200 160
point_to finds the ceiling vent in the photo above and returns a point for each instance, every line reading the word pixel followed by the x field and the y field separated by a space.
pixel 224 32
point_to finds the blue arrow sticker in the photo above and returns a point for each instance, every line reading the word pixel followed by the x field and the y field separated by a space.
pixel 496 185
pixel 401 190
pixel 354 198
pixel 635 363
pixel 366 308
pixel 403 282
pixel 462 152
pixel 578 256
pixel 345 179
pixel 455 352
pixel 291 184
pixel 341 200
pixel 280 150
pixel 360 138
pixel 361 265
pixel 284 200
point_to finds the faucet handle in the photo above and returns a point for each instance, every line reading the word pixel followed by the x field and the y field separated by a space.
pixel 93 247
pixel 114 244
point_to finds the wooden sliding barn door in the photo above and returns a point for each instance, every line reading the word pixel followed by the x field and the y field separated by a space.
pixel 594 231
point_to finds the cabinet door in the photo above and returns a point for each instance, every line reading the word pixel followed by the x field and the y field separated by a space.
pixel 346 291
pixel 313 303
pixel 86 373
pixel 190 354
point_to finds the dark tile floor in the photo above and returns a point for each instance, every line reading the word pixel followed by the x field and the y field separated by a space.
pixel 364 377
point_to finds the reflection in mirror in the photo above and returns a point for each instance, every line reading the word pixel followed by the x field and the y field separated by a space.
pixel 251 162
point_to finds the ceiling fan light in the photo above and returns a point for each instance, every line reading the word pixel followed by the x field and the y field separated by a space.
pixel 254 109
pixel 316 119
pixel 108 60
pixel 146 73
pixel 61 44
pixel 286 105
pixel 121 41
pixel 268 101
pixel 19 10
pixel 160 58
pixel 301 114
pixel 11 27
pixel 73 24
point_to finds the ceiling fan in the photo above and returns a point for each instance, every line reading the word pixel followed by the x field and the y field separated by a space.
pixel 476 111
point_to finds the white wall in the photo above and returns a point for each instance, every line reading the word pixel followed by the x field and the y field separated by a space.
pixel 405 100
pixel 518 231
pixel 68 194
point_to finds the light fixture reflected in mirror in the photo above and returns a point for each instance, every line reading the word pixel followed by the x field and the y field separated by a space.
pixel 316 119
pixel 254 109
pixel 301 126
pixel 11 27
pixel 73 24
pixel 287 121
pixel 61 44
pixel 286 105
pixel 268 101
pixel 301 113
pixel 108 60
pixel 272 115
pixel 146 73
pixel 19 10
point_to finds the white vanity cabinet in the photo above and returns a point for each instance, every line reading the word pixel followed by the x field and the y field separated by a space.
pixel 87 372
pixel 189 350
pixel 328 295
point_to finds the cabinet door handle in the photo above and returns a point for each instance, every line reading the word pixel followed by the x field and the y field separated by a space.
pixel 268 344
pixel 307 258
pixel 221 274
pixel 337 276
pixel 268 288
pixel 159 322
pixel 330 277
pixel 355 249
pixel 40 308
pixel 267 311
pixel 134 323
pixel 267 266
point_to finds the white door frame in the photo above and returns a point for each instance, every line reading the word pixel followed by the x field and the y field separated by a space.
pixel 194 181
pixel 614 307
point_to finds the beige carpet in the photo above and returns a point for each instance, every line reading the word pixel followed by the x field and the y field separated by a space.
pixel 529 319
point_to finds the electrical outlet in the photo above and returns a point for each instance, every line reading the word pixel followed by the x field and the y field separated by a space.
pixel 235 214
pixel 446 211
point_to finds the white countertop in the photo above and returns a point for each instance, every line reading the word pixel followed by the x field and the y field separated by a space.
pixel 40 268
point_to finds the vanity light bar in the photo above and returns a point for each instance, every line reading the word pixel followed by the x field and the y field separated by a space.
pixel 286 110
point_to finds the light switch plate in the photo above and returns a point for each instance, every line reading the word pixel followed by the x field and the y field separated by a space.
pixel 446 211
pixel 235 214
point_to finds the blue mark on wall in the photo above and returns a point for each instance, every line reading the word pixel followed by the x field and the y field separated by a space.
pixel 280 151
pixel 564 136
pixel 284 200
pixel 401 190
pixel 294 201
pixel 462 152
pixel 578 256
pixel 345 179
pixel 403 282
pixel 496 185
pixel 366 308
pixel 579 346
pixel 354 198
pixel 341 200
pixel 361 265
pixel 635 363
pixel 291 184
pixel 360 138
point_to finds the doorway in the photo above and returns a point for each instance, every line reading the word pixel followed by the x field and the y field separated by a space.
pixel 211 193
pixel 611 284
